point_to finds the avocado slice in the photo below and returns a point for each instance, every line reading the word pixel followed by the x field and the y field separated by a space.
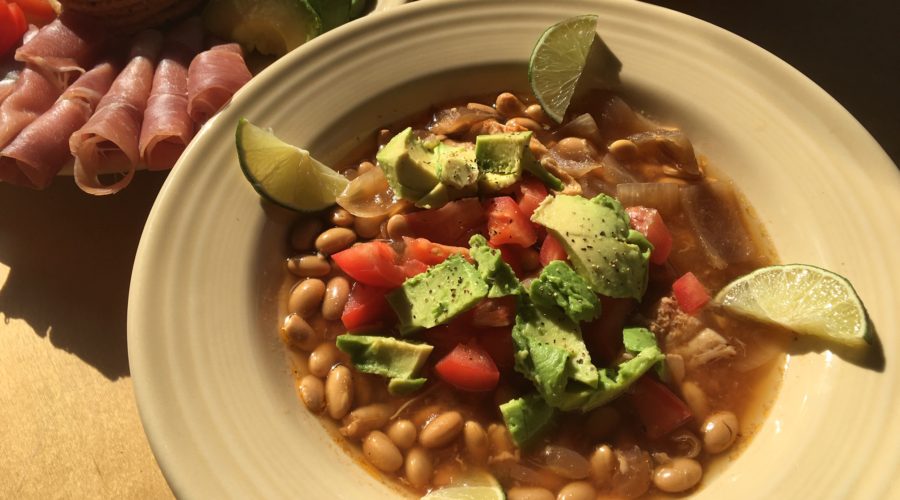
pixel 437 295
pixel 408 164
pixel 501 159
pixel 386 356
pixel 560 286
pixel 527 418
pixel 456 166
pixel 596 234
pixel 497 273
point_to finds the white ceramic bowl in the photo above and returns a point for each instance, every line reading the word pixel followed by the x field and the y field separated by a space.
pixel 213 383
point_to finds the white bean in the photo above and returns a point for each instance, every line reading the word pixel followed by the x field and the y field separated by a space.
pixel 681 474
pixel 381 452
pixel 339 392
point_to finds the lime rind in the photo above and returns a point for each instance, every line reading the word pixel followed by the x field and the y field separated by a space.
pixel 557 61
pixel 802 298
pixel 476 485
pixel 284 174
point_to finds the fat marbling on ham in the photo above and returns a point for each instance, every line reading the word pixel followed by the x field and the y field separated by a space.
pixel 214 76
pixel 37 154
pixel 167 127
pixel 108 143
pixel 33 95
pixel 64 48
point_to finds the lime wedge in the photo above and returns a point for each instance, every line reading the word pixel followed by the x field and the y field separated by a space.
pixel 273 27
pixel 333 13
pixel 570 58
pixel 477 485
pixel 803 298
pixel 285 174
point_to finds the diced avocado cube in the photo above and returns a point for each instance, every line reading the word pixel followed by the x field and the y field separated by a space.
pixel 559 286
pixel 437 295
pixel 501 158
pixel 497 273
pixel 384 356
pixel 597 237
pixel 527 418
pixel 456 166
pixel 443 194
pixel 408 164
pixel 404 386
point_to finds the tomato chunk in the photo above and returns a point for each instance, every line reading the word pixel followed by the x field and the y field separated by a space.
pixel 531 193
pixel 552 249
pixel 658 408
pixel 373 263
pixel 38 12
pixel 430 253
pixel 12 26
pixel 690 293
pixel 494 312
pixel 650 223
pixel 507 225
pixel 366 306
pixel 468 367
pixel 451 224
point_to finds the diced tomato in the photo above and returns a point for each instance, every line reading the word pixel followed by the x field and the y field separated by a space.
pixel 506 224
pixel 373 263
pixel 650 223
pixel 451 224
pixel 38 12
pixel 366 306
pixel 498 342
pixel 12 26
pixel 531 193
pixel 430 253
pixel 469 368
pixel 690 293
pixel 494 312
pixel 658 408
pixel 445 337
pixel 603 336
pixel 413 267
pixel 552 249
pixel 512 255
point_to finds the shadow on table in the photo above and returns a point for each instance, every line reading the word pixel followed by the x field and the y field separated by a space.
pixel 69 256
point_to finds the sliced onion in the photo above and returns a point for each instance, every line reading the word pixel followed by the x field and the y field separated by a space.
pixel 715 217
pixel 369 195
pixel 575 156
pixel 583 126
pixel 663 196
pixel 565 462
pixel 668 147
pixel 458 119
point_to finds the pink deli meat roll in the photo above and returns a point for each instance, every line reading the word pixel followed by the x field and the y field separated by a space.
pixel 64 48
pixel 37 154
pixel 108 143
pixel 214 76
pixel 167 127
pixel 33 95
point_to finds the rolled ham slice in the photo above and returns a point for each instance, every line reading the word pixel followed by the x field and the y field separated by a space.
pixel 214 76
pixel 37 154
pixel 167 127
pixel 33 95
pixel 108 142
pixel 65 48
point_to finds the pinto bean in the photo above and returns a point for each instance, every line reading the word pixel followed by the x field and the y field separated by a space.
pixel 368 227
pixel 719 431
pixel 334 240
pixel 381 452
pixel 336 293
pixel 398 227
pixel 402 433
pixel 308 266
pixel 296 333
pixel 364 419
pixel 476 440
pixel 509 105
pixel 306 296
pixel 578 490
pixel 529 493
pixel 341 217
pixel 418 467
pixel 322 358
pixel 312 392
pixel 681 474
pixel 441 430
pixel 603 464
pixel 338 392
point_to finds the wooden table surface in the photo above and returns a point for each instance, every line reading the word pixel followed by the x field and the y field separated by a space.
pixel 69 426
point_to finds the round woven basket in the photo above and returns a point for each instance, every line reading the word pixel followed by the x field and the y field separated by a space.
pixel 129 16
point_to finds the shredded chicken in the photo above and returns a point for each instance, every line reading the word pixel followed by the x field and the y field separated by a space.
pixel 686 336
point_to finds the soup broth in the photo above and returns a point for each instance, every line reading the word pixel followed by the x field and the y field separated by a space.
pixel 722 371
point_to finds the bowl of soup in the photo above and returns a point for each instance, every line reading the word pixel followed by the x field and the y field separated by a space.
pixel 237 307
